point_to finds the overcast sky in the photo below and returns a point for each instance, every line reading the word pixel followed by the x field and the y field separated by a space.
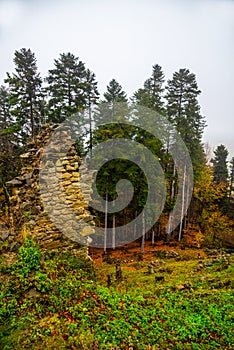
pixel 123 39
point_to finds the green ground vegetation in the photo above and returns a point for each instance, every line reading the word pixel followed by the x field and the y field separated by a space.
pixel 57 301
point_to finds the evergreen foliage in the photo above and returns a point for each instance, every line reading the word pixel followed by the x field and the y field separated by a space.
pixel 26 98
pixel 66 88
pixel 183 110
pixel 220 164
pixel 151 94
pixel 70 88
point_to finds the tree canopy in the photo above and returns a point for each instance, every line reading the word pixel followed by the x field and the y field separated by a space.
pixel 27 101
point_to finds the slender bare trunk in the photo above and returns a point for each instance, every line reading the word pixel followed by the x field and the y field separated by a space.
pixel 90 131
pixel 168 231
pixel 32 119
pixel 182 204
pixel 143 233
pixel 152 241
pixel 106 221
pixel 187 204
pixel 113 233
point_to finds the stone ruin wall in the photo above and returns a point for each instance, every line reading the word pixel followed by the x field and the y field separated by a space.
pixel 27 210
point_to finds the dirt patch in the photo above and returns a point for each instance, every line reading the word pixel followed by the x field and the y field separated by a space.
pixel 132 253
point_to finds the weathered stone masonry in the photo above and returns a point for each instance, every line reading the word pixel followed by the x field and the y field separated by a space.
pixel 27 209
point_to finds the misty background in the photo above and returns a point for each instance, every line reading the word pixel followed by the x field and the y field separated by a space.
pixel 123 39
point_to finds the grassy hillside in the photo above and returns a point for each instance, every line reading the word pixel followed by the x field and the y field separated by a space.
pixel 57 301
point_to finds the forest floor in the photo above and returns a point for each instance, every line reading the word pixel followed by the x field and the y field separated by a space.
pixel 132 251
pixel 168 298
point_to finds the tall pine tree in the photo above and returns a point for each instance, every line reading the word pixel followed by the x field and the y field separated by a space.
pixel 221 176
pixel 91 96
pixel 220 164
pixel 26 94
pixel 183 110
pixel 66 88
pixel 114 93
pixel 151 95
pixel 9 150
pixel 113 105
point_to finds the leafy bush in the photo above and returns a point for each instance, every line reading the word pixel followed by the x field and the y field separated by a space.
pixel 29 257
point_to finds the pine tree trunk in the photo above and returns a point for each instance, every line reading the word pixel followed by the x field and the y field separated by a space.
pixel 168 231
pixel 159 230
pixel 31 118
pixel 90 131
pixel 113 233
pixel 186 221
pixel 182 204
pixel 143 233
pixel 152 241
pixel 106 221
